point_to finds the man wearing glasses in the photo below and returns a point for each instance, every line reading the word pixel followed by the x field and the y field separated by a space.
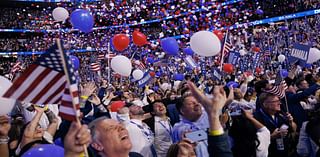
pixel 280 124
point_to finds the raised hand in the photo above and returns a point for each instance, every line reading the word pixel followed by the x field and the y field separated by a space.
pixel 88 89
pixel 95 99
pixel 77 137
pixel 212 106
pixel 4 126
pixel 186 148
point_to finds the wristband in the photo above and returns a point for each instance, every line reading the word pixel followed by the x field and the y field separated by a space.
pixel 4 140
pixel 216 132
pixel 84 97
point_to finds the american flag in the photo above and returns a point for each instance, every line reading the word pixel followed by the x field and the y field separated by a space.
pixel 95 67
pixel 100 56
pixel 16 67
pixel 140 65
pixel 225 49
pixel 44 81
pixel 110 55
pixel 227 46
pixel 279 90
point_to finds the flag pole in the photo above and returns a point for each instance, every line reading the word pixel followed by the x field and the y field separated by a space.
pixel 69 83
pixel 109 66
pixel 285 95
pixel 222 52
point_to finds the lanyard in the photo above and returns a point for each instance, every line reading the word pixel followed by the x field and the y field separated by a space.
pixel 147 134
pixel 164 126
pixel 270 119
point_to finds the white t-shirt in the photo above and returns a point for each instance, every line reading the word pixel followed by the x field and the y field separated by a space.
pixel 141 139
pixel 264 138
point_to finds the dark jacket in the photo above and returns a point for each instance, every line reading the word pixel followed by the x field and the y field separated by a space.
pixel 218 146
pixel 298 113
pixel 271 124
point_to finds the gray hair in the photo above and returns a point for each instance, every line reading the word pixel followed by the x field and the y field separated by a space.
pixel 92 127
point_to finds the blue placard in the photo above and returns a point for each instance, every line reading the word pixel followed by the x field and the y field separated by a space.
pixel 145 79
pixel 217 74
pixel 256 60
pixel 299 53
pixel 233 58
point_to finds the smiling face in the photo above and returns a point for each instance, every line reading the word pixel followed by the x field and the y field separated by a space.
pixel 159 109
pixel 111 137
pixel 191 109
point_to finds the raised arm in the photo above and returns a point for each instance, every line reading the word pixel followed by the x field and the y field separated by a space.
pixel 218 145
pixel 4 139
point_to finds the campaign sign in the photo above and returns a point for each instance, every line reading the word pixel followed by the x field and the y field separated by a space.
pixel 233 58
pixel 145 79
pixel 217 74
pixel 299 53
pixel 256 60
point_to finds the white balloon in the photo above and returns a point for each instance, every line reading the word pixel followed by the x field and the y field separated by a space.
pixel 121 65
pixel 60 14
pixel 281 58
pixel 205 43
pixel 137 74
pixel 7 104
pixel 314 55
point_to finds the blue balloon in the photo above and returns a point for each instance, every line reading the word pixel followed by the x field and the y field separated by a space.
pixel 45 150
pixel 170 46
pixel 178 77
pixel 75 62
pixel 82 19
pixel 188 51
pixel 58 142
pixel 284 73
pixel 233 84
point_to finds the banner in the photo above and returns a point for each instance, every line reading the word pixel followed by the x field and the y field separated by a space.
pixel 145 79
pixel 217 75
pixel 256 60
pixel 299 53
pixel 233 58
pixel 189 60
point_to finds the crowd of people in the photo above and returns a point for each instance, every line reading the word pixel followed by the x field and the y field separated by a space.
pixel 245 113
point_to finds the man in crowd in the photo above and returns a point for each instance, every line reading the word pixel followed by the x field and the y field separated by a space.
pixel 193 119
pixel 160 125
pixel 110 138
pixel 281 125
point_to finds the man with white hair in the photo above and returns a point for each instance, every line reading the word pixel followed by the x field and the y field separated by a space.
pixel 110 138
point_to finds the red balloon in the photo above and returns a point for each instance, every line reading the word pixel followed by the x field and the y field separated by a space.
pixel 256 49
pixel 120 42
pixel 258 70
pixel 219 34
pixel 152 74
pixel 228 68
pixel 115 106
pixel 139 38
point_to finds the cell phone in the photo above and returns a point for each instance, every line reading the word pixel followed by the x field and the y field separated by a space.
pixel 197 136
